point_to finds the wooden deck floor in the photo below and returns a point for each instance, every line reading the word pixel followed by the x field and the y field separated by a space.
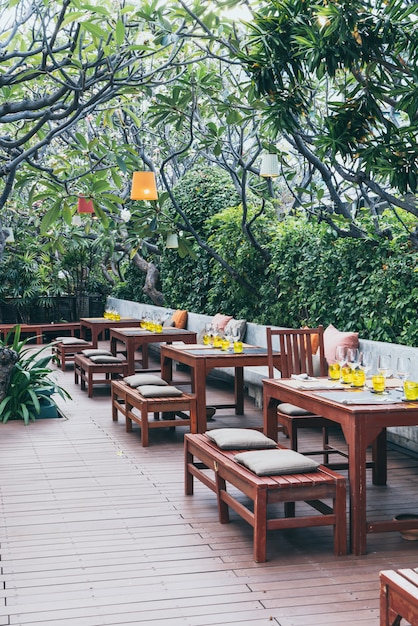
pixel 95 530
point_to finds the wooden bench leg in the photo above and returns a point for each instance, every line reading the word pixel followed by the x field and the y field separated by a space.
pixel 340 526
pixel 223 509
pixel 260 525
pixel 144 425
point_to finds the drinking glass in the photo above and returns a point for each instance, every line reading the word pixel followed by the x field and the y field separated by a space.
pixel 341 354
pixel 384 365
pixel 365 361
pixel 403 367
pixel 353 358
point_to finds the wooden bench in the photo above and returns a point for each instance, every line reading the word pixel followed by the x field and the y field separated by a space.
pixel 125 400
pixel 91 374
pixel 264 490
pixel 398 597
pixel 65 352
pixel 37 330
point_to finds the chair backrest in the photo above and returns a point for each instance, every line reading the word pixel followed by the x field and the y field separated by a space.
pixel 296 354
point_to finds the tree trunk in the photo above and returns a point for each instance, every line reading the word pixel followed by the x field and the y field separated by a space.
pixel 8 358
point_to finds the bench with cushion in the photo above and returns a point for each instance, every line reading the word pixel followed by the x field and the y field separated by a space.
pixel 282 476
pixel 98 370
pixel 65 349
pixel 152 395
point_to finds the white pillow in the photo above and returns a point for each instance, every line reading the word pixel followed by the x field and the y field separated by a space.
pixel 144 379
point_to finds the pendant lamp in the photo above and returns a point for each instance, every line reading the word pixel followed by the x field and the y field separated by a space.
pixel 144 186
pixel 172 241
pixel 269 166
pixel 85 205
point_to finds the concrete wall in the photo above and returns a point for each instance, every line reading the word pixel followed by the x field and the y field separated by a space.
pixel 253 377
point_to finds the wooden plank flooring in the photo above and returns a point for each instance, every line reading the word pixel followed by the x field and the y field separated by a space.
pixel 95 530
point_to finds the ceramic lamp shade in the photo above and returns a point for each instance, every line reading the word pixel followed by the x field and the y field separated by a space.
pixel 172 241
pixel 144 186
pixel 269 166
pixel 85 205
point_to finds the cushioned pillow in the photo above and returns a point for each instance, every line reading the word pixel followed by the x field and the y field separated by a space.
pixel 103 358
pixel 236 327
pixel 158 391
pixel 314 340
pixel 334 337
pixel 292 409
pixel 144 379
pixel 274 462
pixel 179 318
pixel 71 340
pixel 219 321
pixel 168 323
pixel 238 438
pixel 96 352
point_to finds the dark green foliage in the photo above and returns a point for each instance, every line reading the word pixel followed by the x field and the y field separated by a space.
pixel 187 282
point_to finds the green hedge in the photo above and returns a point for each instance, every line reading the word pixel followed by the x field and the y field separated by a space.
pixel 312 276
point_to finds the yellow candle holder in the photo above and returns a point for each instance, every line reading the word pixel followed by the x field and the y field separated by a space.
pixel 238 346
pixel 410 389
pixel 379 383
pixel 334 371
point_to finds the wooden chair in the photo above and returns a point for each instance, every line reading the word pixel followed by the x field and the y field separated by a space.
pixel 297 357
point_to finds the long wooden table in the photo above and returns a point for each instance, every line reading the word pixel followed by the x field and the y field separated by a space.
pixel 98 326
pixel 362 424
pixel 202 359
pixel 135 338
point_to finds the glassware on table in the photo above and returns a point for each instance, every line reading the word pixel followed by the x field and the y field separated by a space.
pixel 238 346
pixel 403 367
pixel 345 369
pixel 334 371
pixel 341 355
pixel 359 377
pixel 365 362
pixel 379 383
pixel 353 358
pixel 410 389
pixel 384 365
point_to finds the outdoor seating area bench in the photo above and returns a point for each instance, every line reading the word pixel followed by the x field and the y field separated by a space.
pixel 398 597
pixel 65 351
pixel 201 454
pixel 125 399
pixel 38 330
pixel 90 373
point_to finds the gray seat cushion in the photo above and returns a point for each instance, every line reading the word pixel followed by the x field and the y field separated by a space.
pixel 276 462
pixel 240 438
pixel 96 352
pixel 71 340
pixel 292 410
pixel 158 391
pixel 144 379
pixel 103 358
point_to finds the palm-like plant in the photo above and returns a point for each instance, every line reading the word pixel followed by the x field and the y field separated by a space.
pixel 29 382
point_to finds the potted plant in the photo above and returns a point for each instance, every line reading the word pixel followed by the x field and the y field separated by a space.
pixel 30 386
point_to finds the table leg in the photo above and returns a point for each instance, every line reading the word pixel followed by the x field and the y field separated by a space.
pixel 270 415
pixel 379 450
pixel 198 374
pixel 357 446
pixel 167 369
pixel 239 390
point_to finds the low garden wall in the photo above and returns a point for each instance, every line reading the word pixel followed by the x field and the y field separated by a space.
pixel 406 437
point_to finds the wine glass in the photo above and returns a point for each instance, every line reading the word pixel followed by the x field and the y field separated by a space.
pixel 353 358
pixel 341 354
pixel 403 367
pixel 365 362
pixel 384 365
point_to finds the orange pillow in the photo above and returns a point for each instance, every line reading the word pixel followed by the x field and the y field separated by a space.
pixel 314 341
pixel 179 318
pixel 219 321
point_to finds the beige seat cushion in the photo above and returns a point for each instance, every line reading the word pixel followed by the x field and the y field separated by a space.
pixel 275 462
pixel 103 358
pixel 144 379
pixel 239 438
pixel 158 391
pixel 292 409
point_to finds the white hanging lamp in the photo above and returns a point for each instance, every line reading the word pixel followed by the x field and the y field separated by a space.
pixel 269 167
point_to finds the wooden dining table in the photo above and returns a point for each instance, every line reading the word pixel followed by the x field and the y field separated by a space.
pixel 136 338
pixel 202 359
pixel 364 418
pixel 98 325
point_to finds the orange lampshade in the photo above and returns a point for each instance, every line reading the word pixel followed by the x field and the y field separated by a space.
pixel 144 186
pixel 85 205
